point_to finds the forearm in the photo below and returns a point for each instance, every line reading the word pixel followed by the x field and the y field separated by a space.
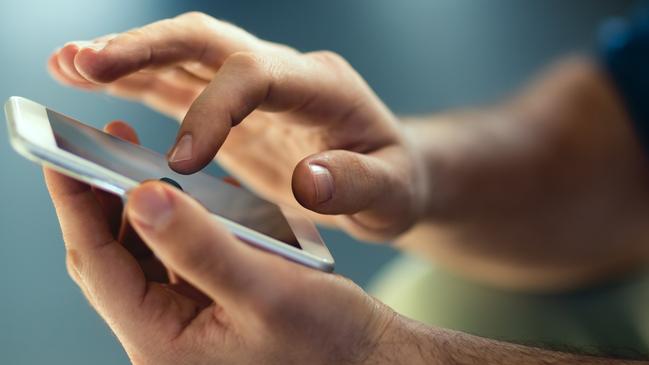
pixel 478 167
pixel 412 343
pixel 518 194
pixel 485 157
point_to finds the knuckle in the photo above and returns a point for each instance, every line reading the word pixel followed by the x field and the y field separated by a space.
pixel 330 59
pixel 197 20
pixel 353 168
pixel 195 17
pixel 248 61
pixel 189 257
pixel 256 68
pixel 192 255
pixel 132 36
pixel 73 265
pixel 339 72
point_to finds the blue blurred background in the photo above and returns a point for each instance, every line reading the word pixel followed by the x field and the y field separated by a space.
pixel 420 56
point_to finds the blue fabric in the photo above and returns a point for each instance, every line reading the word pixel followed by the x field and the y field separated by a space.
pixel 624 51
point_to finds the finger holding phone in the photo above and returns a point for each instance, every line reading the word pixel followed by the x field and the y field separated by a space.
pixel 223 298
pixel 218 301
pixel 202 297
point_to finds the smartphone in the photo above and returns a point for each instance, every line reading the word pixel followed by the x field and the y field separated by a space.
pixel 109 163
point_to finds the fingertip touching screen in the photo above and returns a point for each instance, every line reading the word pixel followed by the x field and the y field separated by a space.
pixel 140 164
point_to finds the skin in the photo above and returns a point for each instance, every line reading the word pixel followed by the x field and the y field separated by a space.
pixel 225 302
pixel 519 194
pixel 283 96
pixel 547 191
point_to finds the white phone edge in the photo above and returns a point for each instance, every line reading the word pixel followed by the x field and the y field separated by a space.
pixel 314 254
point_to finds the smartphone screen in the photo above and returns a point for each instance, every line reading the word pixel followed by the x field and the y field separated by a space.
pixel 140 164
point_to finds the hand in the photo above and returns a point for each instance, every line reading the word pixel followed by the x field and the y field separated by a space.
pixel 522 192
pixel 225 302
pixel 190 293
pixel 305 120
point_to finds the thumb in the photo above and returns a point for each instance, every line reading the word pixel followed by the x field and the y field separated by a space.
pixel 190 242
pixel 372 188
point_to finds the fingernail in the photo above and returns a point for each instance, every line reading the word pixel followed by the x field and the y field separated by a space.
pixel 150 207
pixel 183 149
pixel 95 46
pixel 106 37
pixel 323 181
pixel 79 44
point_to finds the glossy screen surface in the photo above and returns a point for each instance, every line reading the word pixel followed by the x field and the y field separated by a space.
pixel 140 164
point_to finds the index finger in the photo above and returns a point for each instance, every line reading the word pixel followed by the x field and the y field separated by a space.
pixel 188 37
pixel 305 83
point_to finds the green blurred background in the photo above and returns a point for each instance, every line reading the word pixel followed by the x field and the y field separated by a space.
pixel 420 56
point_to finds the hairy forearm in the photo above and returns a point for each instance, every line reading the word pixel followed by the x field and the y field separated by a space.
pixel 412 343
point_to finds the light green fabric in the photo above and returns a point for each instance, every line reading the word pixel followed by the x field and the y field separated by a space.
pixel 611 319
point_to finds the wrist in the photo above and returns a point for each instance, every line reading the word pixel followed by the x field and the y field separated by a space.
pixel 404 341
pixel 422 171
